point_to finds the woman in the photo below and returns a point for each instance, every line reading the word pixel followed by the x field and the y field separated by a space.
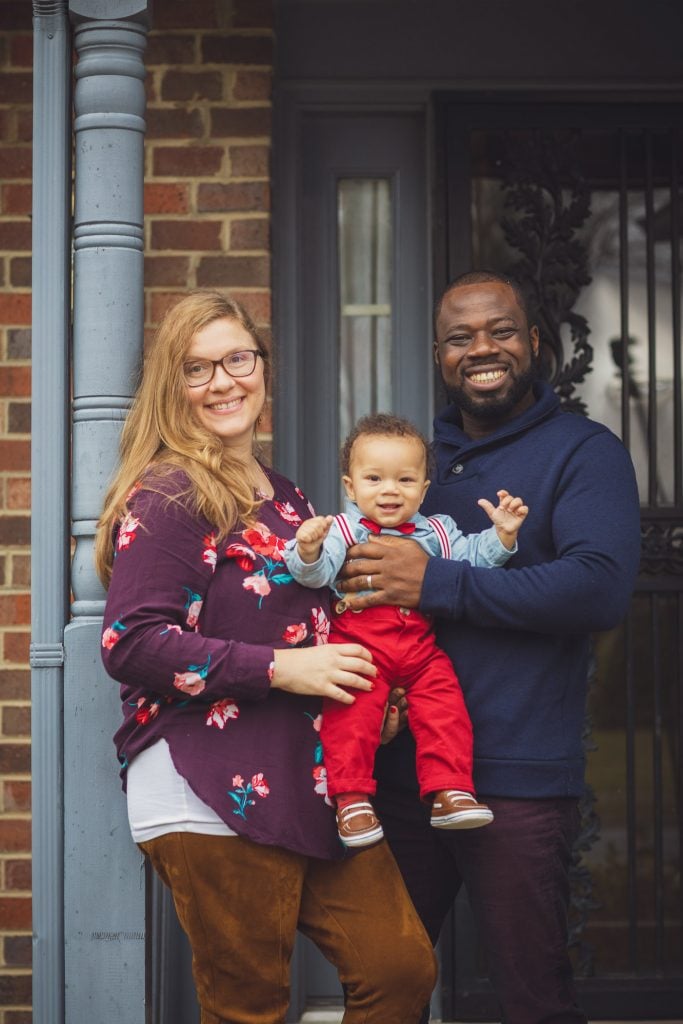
pixel 223 663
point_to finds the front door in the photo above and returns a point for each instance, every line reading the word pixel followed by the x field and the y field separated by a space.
pixel 582 202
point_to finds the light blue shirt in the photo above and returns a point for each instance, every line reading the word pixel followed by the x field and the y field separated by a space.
pixel 484 550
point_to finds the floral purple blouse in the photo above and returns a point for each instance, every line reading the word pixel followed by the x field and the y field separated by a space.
pixel 189 631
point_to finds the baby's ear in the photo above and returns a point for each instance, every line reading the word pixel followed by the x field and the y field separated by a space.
pixel 424 489
pixel 348 487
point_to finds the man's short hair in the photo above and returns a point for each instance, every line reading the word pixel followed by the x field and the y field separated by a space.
pixel 525 301
pixel 382 424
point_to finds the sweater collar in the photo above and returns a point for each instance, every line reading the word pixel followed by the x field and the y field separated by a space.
pixel 448 430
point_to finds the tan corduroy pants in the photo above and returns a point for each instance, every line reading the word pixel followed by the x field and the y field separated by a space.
pixel 241 903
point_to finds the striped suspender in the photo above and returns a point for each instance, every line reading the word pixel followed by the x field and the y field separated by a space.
pixel 440 532
pixel 342 522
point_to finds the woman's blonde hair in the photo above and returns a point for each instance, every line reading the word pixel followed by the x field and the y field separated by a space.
pixel 161 433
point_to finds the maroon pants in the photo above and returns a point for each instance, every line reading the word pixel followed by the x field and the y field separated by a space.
pixel 516 872
pixel 405 654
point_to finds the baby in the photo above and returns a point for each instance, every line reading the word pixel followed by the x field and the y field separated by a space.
pixel 384 465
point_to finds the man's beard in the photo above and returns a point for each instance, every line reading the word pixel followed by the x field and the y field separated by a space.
pixel 492 406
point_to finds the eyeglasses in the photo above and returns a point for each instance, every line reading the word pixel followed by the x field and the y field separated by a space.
pixel 237 364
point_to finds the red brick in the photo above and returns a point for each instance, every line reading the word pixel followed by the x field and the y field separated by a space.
pixel 15 989
pixel 234 271
pixel 16 722
pixel 163 198
pixel 15 833
pixel 21 574
pixel 166 49
pixel 253 85
pixel 181 14
pixel 15 15
pixel 16 650
pixel 16 199
pixel 15 234
pixel 20 271
pixel 15 530
pixel 15 309
pixel 15 684
pixel 244 196
pixel 18 875
pixel 15 162
pixel 15 609
pixel 257 304
pixel 16 87
pixel 21 51
pixel 24 127
pixel 3 570
pixel 250 161
pixel 15 381
pixel 18 951
pixel 16 795
pixel 192 85
pixel 19 1017
pixel 250 234
pixel 19 418
pixel 236 122
pixel 173 124
pixel 166 271
pixel 15 455
pixel 6 125
pixel 237 49
pixel 160 302
pixel 187 161
pixel 253 14
pixel 191 234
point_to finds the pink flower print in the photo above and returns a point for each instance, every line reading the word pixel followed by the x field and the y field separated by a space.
pixel 221 712
pixel 209 554
pixel 112 635
pixel 321 626
pixel 317 723
pixel 271 671
pixel 194 680
pixel 320 782
pixel 295 634
pixel 258 583
pixel 127 531
pixel 288 512
pixel 146 711
pixel 171 627
pixel 304 498
pixel 193 606
pixel 260 785
pixel 243 555
pixel 242 794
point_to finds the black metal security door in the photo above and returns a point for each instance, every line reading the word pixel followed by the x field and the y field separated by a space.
pixel 582 201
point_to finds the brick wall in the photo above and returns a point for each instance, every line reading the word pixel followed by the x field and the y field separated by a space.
pixel 16 47
pixel 207 202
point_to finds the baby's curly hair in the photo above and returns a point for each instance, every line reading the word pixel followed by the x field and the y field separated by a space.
pixel 383 424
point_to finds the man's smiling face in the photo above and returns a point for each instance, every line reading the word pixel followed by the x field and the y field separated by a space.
pixel 487 354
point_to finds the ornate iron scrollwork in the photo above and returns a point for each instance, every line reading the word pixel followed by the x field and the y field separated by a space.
pixel 549 202
pixel 662 547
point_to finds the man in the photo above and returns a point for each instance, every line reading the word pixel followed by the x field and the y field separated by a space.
pixel 519 640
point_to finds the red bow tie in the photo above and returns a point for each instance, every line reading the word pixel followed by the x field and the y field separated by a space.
pixel 374 527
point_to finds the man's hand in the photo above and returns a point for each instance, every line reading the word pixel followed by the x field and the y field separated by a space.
pixel 392 567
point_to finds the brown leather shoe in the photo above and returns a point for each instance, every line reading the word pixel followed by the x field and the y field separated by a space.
pixel 453 809
pixel 358 825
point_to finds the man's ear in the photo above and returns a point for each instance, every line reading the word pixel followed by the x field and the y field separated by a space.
pixel 535 339
pixel 435 349
pixel 348 487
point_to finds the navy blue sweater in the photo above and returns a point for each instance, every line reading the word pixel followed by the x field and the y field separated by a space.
pixel 519 636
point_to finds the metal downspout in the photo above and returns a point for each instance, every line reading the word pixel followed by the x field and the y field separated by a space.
pixel 50 488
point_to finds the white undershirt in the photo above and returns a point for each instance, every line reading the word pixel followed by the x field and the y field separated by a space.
pixel 160 800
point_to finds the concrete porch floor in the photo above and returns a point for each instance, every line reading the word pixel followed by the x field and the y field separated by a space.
pixel 335 1016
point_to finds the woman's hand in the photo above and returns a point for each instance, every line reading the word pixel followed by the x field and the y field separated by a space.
pixel 395 716
pixel 323 671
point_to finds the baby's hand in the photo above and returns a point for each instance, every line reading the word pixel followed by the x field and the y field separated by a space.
pixel 507 517
pixel 310 535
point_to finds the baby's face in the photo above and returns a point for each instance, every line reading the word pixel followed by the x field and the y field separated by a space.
pixel 387 477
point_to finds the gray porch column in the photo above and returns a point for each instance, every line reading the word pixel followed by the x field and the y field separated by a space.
pixel 49 462
pixel 104 903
